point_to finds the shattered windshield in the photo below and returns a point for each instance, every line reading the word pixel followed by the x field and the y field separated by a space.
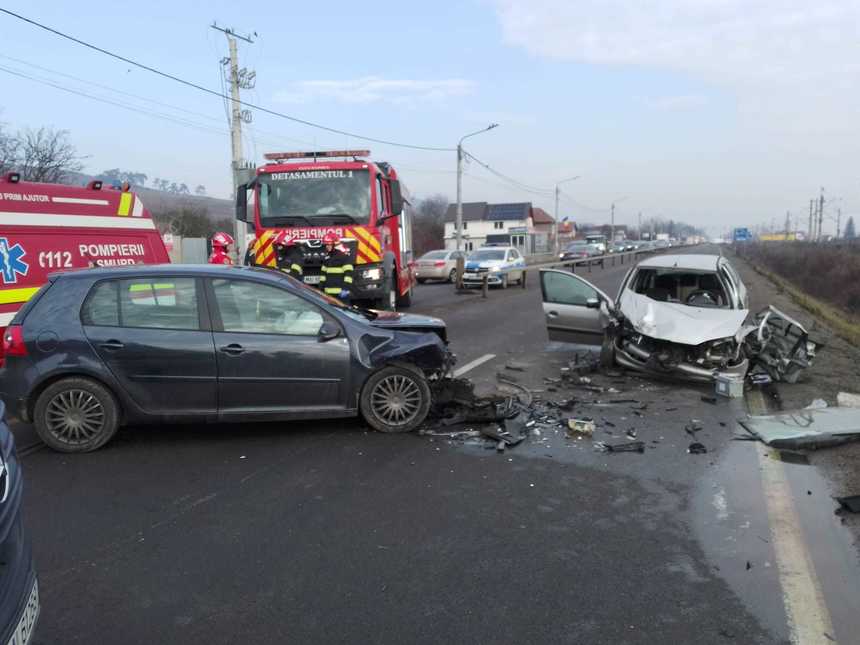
pixel 693 288
pixel 314 197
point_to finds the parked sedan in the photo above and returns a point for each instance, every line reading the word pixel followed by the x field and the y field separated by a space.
pixel 439 265
pixel 501 264
pixel 19 590
pixel 676 314
pixel 161 343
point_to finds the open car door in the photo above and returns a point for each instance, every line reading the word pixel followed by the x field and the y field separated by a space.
pixel 574 309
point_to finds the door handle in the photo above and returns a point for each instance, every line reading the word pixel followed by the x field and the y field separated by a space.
pixel 111 345
pixel 234 349
pixel 552 314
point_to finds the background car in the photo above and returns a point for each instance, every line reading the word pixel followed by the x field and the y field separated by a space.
pixel 579 250
pixel 438 265
pixel 165 343
pixel 501 264
pixel 19 590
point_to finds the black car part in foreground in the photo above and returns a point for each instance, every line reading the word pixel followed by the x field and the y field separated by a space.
pixel 99 348
pixel 19 593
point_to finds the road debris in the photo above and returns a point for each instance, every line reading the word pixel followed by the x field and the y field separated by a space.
pixel 629 446
pixel 696 448
pixel 584 427
pixel 515 366
pixel 805 429
pixel 709 399
pixel 850 504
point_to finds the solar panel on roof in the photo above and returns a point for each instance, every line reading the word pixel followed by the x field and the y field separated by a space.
pixel 507 211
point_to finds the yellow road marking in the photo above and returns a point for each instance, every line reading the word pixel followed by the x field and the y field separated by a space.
pixel 808 617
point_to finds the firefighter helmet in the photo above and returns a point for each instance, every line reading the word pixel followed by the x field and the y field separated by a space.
pixel 222 239
pixel 331 238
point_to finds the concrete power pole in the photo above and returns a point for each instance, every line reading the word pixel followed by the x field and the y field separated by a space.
pixel 838 223
pixel 244 79
pixel 809 230
pixel 611 227
pixel 820 214
pixel 787 224
pixel 458 224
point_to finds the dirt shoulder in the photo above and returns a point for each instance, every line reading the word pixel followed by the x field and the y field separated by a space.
pixel 836 369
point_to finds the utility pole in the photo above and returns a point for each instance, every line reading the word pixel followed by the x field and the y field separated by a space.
pixel 611 227
pixel 838 222
pixel 244 79
pixel 820 213
pixel 640 226
pixel 458 225
pixel 809 230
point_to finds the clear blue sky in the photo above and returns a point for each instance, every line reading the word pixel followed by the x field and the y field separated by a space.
pixel 717 117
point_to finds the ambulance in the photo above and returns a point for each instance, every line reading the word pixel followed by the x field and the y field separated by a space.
pixel 45 228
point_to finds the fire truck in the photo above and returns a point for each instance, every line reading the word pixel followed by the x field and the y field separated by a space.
pixel 45 228
pixel 309 194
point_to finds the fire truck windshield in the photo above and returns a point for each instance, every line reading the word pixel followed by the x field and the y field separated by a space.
pixel 314 197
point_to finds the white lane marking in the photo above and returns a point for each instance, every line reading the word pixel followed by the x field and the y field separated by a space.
pixel 78 200
pixel 84 221
pixel 473 364
pixel 808 617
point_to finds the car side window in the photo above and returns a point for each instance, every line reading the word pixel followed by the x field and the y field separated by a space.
pixel 255 308
pixel 565 289
pixel 159 303
pixel 151 303
pixel 515 255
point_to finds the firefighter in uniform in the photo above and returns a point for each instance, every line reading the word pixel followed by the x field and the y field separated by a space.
pixel 336 279
pixel 288 255
pixel 221 248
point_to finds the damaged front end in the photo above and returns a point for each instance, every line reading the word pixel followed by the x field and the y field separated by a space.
pixel 774 344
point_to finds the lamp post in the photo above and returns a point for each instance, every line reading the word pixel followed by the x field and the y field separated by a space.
pixel 612 219
pixel 555 226
pixel 458 225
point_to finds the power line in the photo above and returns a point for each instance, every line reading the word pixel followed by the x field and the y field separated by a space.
pixel 216 93
pixel 585 207
pixel 532 189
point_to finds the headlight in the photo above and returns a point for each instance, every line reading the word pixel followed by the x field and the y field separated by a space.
pixel 496 269
pixel 372 274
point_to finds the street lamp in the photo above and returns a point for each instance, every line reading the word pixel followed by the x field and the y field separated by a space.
pixel 557 184
pixel 612 219
pixel 459 223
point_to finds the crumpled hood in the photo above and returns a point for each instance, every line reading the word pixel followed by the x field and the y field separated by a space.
pixel 410 322
pixel 679 323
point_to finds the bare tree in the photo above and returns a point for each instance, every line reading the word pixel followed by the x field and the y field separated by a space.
pixel 9 151
pixel 47 155
pixel 428 228
pixel 200 191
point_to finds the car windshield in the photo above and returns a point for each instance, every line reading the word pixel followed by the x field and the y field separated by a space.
pixel 681 286
pixel 434 255
pixel 487 254
pixel 314 197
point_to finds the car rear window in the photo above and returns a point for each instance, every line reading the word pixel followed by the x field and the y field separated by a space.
pixel 157 303
pixel 435 255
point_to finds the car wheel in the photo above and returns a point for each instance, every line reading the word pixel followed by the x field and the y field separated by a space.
pixel 395 399
pixel 422 280
pixel 76 415
pixel 504 284
pixel 452 277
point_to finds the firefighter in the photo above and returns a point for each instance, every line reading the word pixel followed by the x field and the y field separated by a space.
pixel 288 255
pixel 221 248
pixel 336 279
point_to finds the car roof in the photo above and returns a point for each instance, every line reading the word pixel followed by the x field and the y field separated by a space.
pixel 144 270
pixel 695 262
pixel 496 248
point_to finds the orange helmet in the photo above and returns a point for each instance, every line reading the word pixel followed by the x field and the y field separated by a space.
pixel 282 239
pixel 222 239
pixel 331 238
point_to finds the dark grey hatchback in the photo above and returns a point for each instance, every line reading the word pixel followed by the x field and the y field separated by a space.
pixel 98 348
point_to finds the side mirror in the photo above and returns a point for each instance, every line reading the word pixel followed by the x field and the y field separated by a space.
pixel 396 197
pixel 242 202
pixel 593 303
pixel 328 331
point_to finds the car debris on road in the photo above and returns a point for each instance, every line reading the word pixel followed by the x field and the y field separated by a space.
pixel 805 429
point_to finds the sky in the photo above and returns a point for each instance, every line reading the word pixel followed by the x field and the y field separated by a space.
pixel 719 113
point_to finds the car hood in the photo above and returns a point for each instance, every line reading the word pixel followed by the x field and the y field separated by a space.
pixel 486 264
pixel 407 322
pixel 679 323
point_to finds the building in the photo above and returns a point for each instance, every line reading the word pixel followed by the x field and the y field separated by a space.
pixel 522 225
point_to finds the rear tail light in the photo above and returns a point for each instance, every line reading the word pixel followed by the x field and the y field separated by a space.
pixel 13 341
pixel 439 263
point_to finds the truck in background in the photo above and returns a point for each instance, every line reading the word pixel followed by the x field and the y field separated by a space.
pixel 45 228
pixel 309 194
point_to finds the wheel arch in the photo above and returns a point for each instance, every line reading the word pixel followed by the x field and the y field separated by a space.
pixel 50 379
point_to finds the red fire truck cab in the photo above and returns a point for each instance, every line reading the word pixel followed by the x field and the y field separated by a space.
pixel 309 194
pixel 45 228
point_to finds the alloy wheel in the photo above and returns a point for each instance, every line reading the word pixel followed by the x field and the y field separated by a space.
pixel 396 399
pixel 75 416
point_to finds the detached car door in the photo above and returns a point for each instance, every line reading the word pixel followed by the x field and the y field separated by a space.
pixel 574 309
pixel 272 359
pixel 154 338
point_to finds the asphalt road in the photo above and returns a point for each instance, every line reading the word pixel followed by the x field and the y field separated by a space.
pixel 326 532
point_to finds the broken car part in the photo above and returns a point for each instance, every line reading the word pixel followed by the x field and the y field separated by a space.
pixel 805 429
pixel 630 446
pixel 850 504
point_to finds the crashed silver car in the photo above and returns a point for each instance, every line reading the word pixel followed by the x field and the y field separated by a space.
pixel 682 315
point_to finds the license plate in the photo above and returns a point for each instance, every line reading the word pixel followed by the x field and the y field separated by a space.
pixel 24 630
pixel 312 279
pixel 470 275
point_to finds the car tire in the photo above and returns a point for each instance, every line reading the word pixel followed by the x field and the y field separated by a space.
pixel 76 414
pixel 452 277
pixel 393 391
pixel 422 280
